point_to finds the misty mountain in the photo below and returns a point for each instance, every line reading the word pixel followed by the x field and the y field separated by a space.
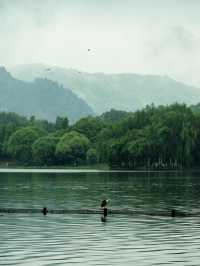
pixel 42 98
pixel 119 91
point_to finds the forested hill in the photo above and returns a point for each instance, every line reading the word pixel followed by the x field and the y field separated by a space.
pixel 42 98
pixel 119 91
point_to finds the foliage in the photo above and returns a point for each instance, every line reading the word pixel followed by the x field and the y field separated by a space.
pixel 43 150
pixel 92 156
pixel 72 148
pixel 163 137
pixel 20 144
pixel 62 123
pixel 89 126
pixel 114 116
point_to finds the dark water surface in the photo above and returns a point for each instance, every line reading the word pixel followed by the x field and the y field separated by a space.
pixel 33 239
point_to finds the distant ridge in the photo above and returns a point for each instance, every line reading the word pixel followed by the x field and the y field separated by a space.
pixel 42 98
pixel 119 91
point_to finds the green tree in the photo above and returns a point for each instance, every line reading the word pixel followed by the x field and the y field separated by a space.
pixel 92 156
pixel 43 150
pixel 20 144
pixel 114 116
pixel 72 148
pixel 62 123
pixel 89 126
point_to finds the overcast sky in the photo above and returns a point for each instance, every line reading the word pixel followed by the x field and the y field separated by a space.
pixel 139 36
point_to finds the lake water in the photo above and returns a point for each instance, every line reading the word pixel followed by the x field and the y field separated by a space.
pixel 80 239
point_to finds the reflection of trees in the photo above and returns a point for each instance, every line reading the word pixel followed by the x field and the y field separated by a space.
pixel 144 191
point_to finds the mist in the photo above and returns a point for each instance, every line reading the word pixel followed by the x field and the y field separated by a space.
pixel 150 37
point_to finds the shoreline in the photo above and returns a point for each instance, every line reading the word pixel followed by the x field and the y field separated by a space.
pixel 12 167
pixel 84 170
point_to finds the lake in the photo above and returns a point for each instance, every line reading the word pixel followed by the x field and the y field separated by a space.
pixel 82 239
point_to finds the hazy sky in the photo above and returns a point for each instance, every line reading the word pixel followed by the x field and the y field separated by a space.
pixel 140 36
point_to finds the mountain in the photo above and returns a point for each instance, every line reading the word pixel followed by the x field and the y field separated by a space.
pixel 119 91
pixel 42 98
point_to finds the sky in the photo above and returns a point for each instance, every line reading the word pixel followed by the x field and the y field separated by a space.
pixel 112 36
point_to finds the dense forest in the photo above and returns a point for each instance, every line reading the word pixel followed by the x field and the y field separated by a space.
pixel 164 137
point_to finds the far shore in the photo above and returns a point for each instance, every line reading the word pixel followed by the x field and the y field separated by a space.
pixel 12 167
pixel 84 170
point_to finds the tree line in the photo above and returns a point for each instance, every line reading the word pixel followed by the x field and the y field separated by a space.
pixel 163 137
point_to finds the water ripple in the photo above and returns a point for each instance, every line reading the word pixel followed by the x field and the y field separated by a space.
pixel 80 240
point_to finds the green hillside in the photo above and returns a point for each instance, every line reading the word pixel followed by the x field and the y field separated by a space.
pixel 42 98
pixel 102 92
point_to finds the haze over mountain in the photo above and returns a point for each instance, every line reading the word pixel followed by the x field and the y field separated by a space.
pixel 120 91
pixel 42 98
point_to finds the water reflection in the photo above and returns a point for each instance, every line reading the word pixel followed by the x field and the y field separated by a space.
pixel 33 239
pixel 140 191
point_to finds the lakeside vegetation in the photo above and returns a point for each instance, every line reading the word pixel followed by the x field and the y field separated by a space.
pixel 164 137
